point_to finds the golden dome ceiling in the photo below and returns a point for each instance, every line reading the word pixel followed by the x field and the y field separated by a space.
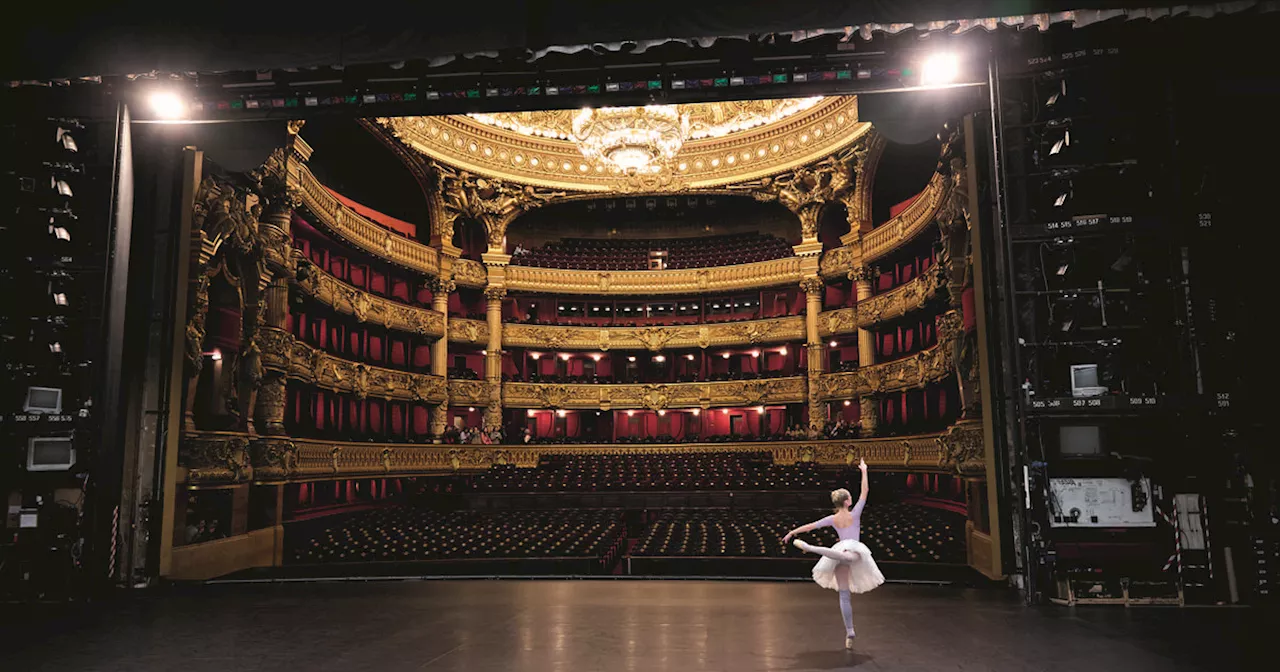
pixel 723 143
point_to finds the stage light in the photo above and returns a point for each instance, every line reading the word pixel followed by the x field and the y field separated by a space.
pixel 60 232
pixel 60 298
pixel 940 69
pixel 55 347
pixel 167 105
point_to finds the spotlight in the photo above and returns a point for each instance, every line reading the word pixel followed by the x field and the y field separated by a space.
pixel 60 298
pixel 167 105
pixel 940 69
pixel 60 232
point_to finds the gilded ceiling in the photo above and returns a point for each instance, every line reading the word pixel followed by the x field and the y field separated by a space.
pixel 723 143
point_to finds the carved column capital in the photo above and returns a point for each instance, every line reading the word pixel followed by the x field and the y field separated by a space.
pixel 812 286
pixel 495 294
pixel 864 273
pixel 441 285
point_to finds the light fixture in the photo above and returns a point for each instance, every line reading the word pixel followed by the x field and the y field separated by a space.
pixel 471 409
pixel 485 353
pixel 536 355
pixel 560 412
pixel 847 402
pixel 632 139
pixel 630 413
pixel 755 353
pixel 631 359
pixel 725 355
pixel 532 413
pixel 216 355
pixel 782 351
pixel 725 411
pixel 60 232
pixel 689 357
pixel 662 412
pixel 760 410
pixel 564 356
pixel 60 298
pixel 697 411
pixel 939 69
pixel 55 347
pixel 659 358
pixel 833 344
pixel 167 105
pixel 595 357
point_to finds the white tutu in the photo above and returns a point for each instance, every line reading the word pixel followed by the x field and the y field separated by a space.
pixel 863 574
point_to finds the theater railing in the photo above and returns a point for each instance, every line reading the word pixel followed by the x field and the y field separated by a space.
pixel 367 307
pixel 904 299
pixel 654 396
pixel 208 458
pixel 927 366
pixel 755 275
pixel 884 239
pixel 747 332
pixel 323 370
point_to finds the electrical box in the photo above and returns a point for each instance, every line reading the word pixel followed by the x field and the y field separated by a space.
pixel 1100 502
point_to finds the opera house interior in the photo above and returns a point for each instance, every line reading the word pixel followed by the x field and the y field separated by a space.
pixel 633 311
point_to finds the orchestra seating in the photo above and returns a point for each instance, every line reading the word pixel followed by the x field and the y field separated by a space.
pixel 585 541
pixel 633 255
pixel 895 532
pixel 630 473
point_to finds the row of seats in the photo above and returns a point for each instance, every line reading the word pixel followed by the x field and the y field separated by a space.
pixel 633 255
pixel 895 532
pixel 410 534
pixel 624 473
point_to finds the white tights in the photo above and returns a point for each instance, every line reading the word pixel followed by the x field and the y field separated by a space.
pixel 845 558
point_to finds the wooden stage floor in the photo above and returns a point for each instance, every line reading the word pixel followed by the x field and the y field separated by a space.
pixel 609 625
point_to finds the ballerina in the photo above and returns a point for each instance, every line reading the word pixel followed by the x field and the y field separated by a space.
pixel 848 566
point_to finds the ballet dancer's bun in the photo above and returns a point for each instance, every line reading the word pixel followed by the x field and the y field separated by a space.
pixel 840 498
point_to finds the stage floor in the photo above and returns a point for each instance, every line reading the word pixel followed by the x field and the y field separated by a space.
pixel 610 625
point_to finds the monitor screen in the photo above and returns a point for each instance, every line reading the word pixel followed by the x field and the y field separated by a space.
pixel 1080 440
pixel 43 400
pixel 1084 375
pixel 50 453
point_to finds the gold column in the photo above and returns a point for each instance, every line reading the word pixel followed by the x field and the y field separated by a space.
pixel 493 357
pixel 440 291
pixel 266 356
pixel 813 288
pixel 861 277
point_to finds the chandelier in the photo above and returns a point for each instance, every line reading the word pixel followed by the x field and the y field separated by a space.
pixel 632 139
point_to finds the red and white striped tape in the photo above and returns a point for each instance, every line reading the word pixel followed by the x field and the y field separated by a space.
pixel 1177 537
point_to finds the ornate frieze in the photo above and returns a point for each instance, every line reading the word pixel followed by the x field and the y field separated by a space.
pixel 470 273
pixel 919 293
pixel 462 330
pixel 753 332
pixel 654 397
pixel 773 273
pixel 468 393
pixel 927 366
pixel 236 458
pixel 324 370
pixel 370 308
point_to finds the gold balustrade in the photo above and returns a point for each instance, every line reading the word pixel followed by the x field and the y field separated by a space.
pixel 323 370
pixel 904 299
pixel 210 458
pixel 371 308
pixel 655 396
pixel 757 275
pixel 750 332
pixel 884 239
pixel 927 366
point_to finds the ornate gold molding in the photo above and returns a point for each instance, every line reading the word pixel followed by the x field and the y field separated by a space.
pixel 654 396
pixel 326 371
pixel 752 332
pixel 212 457
pixel 554 163
pixel 463 330
pixel 909 223
pixel 927 366
pixel 367 307
pixel 470 273
pixel 915 295
pixel 468 393
pixel 358 231
pixel 756 275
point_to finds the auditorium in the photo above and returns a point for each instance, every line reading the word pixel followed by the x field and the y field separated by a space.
pixel 548 344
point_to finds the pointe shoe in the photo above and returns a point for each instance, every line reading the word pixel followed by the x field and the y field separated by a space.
pixel 798 543
pixel 848 642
